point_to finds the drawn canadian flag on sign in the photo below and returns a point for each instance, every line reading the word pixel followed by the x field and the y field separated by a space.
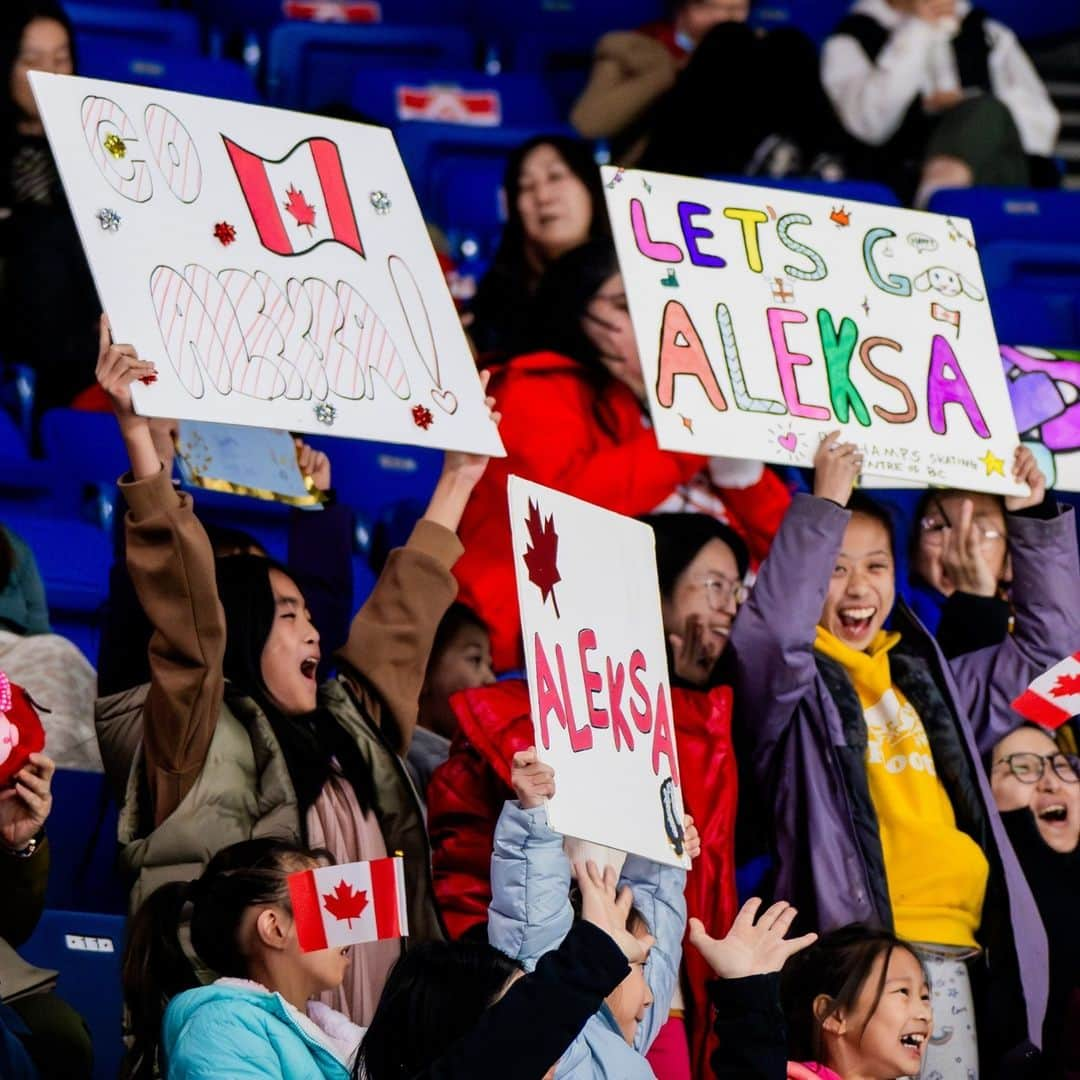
pixel 300 200
pixel 347 905
pixel 1054 696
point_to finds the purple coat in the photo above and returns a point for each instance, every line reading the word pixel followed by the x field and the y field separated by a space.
pixel 807 734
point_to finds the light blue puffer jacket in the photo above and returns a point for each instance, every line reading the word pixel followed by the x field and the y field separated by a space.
pixel 530 914
pixel 243 1031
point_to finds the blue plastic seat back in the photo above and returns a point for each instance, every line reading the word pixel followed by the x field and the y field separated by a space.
pixel 457 171
pixel 1026 215
pixel 581 19
pixel 453 95
pixel 97 24
pixel 1053 267
pixel 815 18
pixel 87 950
pixel 310 65
pixel 1033 316
pixel 169 69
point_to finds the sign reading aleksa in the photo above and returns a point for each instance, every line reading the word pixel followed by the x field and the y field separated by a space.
pixel 275 265
pixel 598 676
pixel 766 318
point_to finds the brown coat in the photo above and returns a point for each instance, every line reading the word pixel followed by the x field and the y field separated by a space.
pixel 385 658
pixel 630 73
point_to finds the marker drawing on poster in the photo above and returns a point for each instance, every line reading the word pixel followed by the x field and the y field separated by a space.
pixel 274 265
pixel 766 319
pixel 598 675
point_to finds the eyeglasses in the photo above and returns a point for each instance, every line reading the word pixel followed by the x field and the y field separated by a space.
pixel 1029 767
pixel 720 591
pixel 932 529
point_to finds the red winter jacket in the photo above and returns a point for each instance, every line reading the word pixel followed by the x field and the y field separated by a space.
pixel 563 430
pixel 466 795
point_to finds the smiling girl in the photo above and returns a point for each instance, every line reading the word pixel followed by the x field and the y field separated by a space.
pixel 239 738
pixel 871 742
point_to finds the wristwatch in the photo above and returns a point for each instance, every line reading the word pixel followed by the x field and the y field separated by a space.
pixel 26 852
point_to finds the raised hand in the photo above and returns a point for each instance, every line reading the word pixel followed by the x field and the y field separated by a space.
pixel 313 463
pixel 532 780
pixel 691 837
pixel 471 466
pixel 25 806
pixel 603 908
pixel 751 948
pixel 689 657
pixel 836 468
pixel 963 557
pixel 1026 470
pixel 118 366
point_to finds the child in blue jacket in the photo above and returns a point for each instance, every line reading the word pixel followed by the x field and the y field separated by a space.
pixel 531 913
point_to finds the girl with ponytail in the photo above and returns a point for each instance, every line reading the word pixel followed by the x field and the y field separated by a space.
pixel 258 1017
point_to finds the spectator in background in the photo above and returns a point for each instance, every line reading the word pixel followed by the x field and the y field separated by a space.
pixel 1037 789
pixel 52 1033
pixel 49 301
pixel 574 419
pixel 52 668
pixel 936 94
pixel 704 92
pixel 960 569
pixel 554 203
pixel 460 660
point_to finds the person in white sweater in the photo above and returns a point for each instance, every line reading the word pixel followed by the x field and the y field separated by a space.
pixel 944 95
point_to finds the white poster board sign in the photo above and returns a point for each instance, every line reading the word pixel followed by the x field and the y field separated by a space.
pixel 274 265
pixel 767 318
pixel 257 462
pixel 1044 385
pixel 598 676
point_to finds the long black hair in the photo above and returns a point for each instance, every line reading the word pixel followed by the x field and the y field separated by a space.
pixel 838 965
pixel 156 968
pixel 679 537
pixel 310 744
pixel 503 298
pixel 15 17
pixel 434 995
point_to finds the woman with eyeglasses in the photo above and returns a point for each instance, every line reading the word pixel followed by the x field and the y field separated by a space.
pixel 869 744
pixel 960 569
pixel 1037 789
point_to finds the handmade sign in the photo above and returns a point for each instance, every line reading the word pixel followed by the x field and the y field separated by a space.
pixel 257 462
pixel 598 677
pixel 350 904
pixel 275 265
pixel 1054 696
pixel 767 318
pixel 1044 385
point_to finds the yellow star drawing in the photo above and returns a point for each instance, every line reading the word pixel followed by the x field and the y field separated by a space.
pixel 993 464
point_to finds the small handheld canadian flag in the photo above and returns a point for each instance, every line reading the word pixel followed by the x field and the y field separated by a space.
pixel 1054 696
pixel 350 904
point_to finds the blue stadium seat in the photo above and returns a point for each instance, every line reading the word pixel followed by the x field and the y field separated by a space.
pixel 1034 292
pixel 311 64
pixel 1030 20
pixel 87 950
pixel 463 96
pixel 169 69
pixel 1023 214
pixel 457 171
pixel 87 456
pixel 98 23
pixel 858 190
pixel 586 19
pixel 816 18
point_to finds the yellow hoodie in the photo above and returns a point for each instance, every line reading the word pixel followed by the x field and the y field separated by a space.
pixel 936 873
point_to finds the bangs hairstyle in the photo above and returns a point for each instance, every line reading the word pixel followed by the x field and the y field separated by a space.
pixel 679 538
pixel 838 965
pixel 458 617
pixel 860 503
pixel 15 17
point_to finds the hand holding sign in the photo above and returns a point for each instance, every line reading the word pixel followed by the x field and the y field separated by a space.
pixel 1026 471
pixel 836 468
pixel 532 780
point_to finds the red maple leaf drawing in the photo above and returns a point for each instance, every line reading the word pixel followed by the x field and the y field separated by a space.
pixel 1066 686
pixel 300 208
pixel 345 904
pixel 542 553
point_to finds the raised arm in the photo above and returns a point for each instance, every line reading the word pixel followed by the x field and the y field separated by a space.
pixel 390 639
pixel 773 635
pixel 172 567
pixel 530 910
pixel 1046 602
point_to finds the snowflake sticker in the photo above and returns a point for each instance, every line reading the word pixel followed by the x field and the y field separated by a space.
pixel 325 413
pixel 109 220
pixel 224 232
pixel 422 417
pixel 116 146
pixel 381 201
